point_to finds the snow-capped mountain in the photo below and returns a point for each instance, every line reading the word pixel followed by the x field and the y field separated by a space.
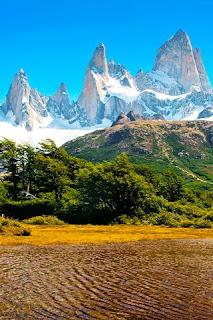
pixel 176 88
pixel 25 105
pixel 108 89
pixel 59 104
pixel 64 112
pixel 178 69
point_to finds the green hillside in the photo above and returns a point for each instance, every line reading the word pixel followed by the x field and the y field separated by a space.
pixel 184 145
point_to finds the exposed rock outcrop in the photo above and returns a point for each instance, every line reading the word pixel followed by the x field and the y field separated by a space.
pixel 206 113
pixel 125 118
pixel 122 119
pixel 132 116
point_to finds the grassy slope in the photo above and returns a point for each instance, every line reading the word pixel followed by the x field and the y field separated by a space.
pixel 180 144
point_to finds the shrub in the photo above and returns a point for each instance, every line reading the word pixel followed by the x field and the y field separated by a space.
pixel 209 216
pixel 125 219
pixel 6 222
pixel 188 210
pixel 10 226
pixel 201 223
pixel 186 223
pixel 22 232
pixel 44 220
pixel 166 219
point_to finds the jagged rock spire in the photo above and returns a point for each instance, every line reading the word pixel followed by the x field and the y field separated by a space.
pixel 61 93
pixel 17 96
pixel 63 88
pixel 132 116
pixel 205 83
pixel 59 104
pixel 118 71
pixel 99 61
pixel 176 59
pixel 26 105
pixel 97 75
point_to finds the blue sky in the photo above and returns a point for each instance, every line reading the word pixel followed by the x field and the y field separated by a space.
pixel 54 40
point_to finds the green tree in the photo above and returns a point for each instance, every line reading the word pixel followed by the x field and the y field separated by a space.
pixel 51 175
pixel 10 165
pixel 172 186
pixel 27 156
pixel 113 188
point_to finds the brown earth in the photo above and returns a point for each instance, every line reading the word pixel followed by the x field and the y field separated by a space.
pixel 159 279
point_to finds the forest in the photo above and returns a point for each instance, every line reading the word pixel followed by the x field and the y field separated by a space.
pixel 47 181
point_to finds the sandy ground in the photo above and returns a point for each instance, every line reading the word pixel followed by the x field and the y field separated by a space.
pixel 160 279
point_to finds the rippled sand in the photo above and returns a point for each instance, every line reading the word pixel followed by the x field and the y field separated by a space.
pixel 161 279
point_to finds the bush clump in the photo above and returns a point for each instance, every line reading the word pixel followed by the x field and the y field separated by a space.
pixel 201 223
pixel 44 220
pixel 165 219
pixel 6 222
pixel 186 223
pixel 13 227
pixel 125 219
pixel 23 232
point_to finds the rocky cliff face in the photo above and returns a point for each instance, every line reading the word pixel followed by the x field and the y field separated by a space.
pixel 26 106
pixel 98 64
pixel 64 112
pixel 93 92
pixel 59 104
pixel 159 82
pixel 119 72
pixel 204 80
pixel 108 89
pixel 176 59
pixel 177 69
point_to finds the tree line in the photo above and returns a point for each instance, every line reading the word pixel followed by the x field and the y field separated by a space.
pixel 48 180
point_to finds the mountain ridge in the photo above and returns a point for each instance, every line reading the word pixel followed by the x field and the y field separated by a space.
pixel 176 88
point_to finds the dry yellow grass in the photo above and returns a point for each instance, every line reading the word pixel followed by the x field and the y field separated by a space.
pixel 76 234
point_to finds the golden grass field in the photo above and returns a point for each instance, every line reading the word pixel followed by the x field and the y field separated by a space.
pixel 77 234
pixel 107 272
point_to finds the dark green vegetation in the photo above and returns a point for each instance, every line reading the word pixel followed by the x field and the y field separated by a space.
pixel 49 181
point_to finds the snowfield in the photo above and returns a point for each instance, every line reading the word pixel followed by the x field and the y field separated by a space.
pixel 59 136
